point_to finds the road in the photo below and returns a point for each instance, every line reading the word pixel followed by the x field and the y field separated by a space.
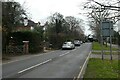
pixel 55 64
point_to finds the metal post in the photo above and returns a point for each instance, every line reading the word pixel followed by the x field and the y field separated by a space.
pixel 119 18
pixel 101 37
pixel 102 45
pixel 118 31
pixel 110 42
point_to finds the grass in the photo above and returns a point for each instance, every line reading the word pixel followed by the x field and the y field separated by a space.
pixel 97 46
pixel 98 68
pixel 106 53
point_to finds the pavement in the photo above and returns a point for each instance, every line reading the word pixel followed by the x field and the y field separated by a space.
pixel 104 51
pixel 114 57
pixel 114 45
pixel 22 57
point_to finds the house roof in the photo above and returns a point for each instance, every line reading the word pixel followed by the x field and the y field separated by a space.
pixel 31 23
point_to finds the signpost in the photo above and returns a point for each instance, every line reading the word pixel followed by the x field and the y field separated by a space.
pixel 107 31
pixel 107 28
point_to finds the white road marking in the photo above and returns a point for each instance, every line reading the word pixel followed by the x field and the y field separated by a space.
pixel 83 66
pixel 34 66
pixel 64 54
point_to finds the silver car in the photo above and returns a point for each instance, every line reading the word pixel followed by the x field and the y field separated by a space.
pixel 68 45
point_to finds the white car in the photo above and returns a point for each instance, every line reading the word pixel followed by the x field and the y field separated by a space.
pixel 68 45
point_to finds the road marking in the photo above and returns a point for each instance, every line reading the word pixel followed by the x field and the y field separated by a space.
pixel 26 58
pixel 34 66
pixel 83 66
pixel 64 54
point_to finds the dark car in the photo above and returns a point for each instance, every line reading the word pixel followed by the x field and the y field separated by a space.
pixel 77 42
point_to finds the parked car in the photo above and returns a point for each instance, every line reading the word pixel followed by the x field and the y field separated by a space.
pixel 68 45
pixel 77 42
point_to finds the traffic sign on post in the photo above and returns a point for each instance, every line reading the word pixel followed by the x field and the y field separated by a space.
pixel 107 31
pixel 107 28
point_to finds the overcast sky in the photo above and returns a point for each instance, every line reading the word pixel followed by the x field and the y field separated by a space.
pixel 40 10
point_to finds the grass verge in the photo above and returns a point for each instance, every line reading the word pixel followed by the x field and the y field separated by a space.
pixel 98 68
pixel 97 46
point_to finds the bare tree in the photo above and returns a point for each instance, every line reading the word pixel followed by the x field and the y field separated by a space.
pixel 101 10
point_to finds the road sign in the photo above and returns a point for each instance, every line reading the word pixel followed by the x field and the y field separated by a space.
pixel 107 24
pixel 106 32
pixel 107 28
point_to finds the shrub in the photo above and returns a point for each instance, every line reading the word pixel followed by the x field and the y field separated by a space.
pixel 34 38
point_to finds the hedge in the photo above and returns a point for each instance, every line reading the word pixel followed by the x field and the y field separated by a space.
pixel 35 39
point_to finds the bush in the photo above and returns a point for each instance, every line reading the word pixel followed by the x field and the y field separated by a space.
pixel 34 38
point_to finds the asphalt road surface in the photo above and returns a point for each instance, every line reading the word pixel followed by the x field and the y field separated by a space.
pixel 55 64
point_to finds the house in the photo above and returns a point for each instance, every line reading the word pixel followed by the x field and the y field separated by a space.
pixel 30 25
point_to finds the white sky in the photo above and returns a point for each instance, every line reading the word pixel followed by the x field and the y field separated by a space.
pixel 40 10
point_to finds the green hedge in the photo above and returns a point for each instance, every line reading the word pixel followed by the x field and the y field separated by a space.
pixel 34 38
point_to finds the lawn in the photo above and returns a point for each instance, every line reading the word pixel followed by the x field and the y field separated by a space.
pixel 98 68
pixel 97 46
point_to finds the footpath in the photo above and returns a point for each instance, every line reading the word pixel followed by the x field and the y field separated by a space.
pixel 115 54
pixel 107 56
pixel 114 57
pixel 10 59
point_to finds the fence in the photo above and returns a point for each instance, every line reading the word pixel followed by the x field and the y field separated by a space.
pixel 14 49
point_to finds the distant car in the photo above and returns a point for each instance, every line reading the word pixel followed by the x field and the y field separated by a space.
pixel 77 42
pixel 81 42
pixel 68 45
